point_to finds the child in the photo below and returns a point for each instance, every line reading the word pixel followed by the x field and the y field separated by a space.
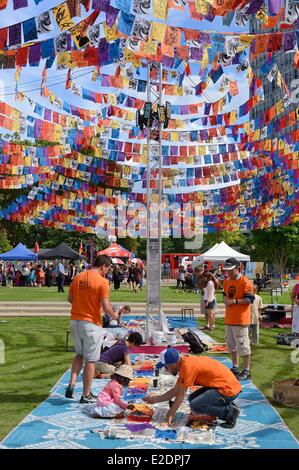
pixel 295 316
pixel 256 307
pixel 109 323
pixel 109 403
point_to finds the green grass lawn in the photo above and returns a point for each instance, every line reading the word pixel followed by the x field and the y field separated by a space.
pixel 169 294
pixel 36 358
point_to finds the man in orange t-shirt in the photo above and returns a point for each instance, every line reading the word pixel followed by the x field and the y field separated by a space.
pixel 219 387
pixel 238 295
pixel 89 294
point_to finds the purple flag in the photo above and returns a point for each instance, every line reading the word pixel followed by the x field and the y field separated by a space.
pixel 48 114
pixel 34 54
pixel 15 34
pixel 254 6
pixel 19 4
pixel 274 7
pixel 111 15
pixel 103 4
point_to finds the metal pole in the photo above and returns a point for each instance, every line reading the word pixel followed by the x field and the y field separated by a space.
pixel 160 194
pixel 147 207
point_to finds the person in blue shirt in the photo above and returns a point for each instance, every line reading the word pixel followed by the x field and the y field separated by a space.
pixel 60 276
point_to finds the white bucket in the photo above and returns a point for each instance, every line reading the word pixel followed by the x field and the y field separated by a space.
pixel 171 338
pixel 158 337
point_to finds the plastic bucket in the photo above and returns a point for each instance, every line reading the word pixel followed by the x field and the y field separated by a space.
pixel 171 338
pixel 158 337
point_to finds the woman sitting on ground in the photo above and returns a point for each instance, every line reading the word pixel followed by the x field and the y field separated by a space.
pixel 119 353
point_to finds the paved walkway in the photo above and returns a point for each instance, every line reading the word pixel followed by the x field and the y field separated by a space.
pixel 62 309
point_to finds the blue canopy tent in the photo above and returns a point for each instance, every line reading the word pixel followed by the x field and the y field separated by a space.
pixel 19 253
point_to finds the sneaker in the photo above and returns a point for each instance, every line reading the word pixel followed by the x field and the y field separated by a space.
pixel 235 370
pixel 231 423
pixel 244 375
pixel 69 393
pixel 90 399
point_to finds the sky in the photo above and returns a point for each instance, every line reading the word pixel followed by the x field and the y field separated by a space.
pixel 30 78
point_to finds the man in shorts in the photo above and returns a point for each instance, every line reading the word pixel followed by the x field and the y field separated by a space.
pixel 89 293
pixel 238 294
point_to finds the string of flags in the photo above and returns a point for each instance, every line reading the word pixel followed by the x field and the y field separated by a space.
pixel 243 174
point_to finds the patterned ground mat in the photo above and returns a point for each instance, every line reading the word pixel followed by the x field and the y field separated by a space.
pixel 62 423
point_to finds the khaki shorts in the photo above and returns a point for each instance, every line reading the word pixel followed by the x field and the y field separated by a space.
pixel 237 339
pixel 87 338
pixel 104 368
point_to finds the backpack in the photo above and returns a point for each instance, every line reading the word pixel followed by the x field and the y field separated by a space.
pixel 195 344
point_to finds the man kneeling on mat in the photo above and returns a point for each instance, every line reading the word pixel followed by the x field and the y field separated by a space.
pixel 216 396
pixel 109 403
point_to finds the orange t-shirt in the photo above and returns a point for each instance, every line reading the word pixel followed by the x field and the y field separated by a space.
pixel 208 373
pixel 88 289
pixel 237 314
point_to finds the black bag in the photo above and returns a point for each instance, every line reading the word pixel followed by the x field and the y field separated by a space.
pixel 195 344
pixel 285 339
pixel 106 321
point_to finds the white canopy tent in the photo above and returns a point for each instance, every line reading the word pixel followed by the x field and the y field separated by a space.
pixel 221 252
pixel 198 260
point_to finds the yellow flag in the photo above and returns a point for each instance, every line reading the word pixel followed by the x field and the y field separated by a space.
pixel 158 31
pixel 161 9
pixel 148 48
pixel 111 33
pixel 232 117
pixel 65 60
pixel 279 107
pixel 262 15
pixel 62 16
pixel 246 39
pixel 202 6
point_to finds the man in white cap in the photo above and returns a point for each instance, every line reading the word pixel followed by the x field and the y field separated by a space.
pixel 238 295
pixel 219 387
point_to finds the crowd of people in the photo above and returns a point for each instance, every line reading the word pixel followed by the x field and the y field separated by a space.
pixel 33 274
pixel 130 275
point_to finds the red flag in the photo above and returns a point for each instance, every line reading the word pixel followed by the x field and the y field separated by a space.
pixel 187 69
pixel 36 247
pixel 68 82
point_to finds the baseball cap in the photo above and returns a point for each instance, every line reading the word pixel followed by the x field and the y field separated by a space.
pixel 167 357
pixel 231 263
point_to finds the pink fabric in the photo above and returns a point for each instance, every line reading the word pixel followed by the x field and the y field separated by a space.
pixel 111 393
pixel 209 292
pixel 149 349
pixel 296 290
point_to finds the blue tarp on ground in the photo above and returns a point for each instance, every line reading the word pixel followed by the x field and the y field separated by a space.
pixel 62 423
pixel 19 253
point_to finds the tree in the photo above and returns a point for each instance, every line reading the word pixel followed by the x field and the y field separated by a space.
pixel 276 245
pixel 4 242
pixel 238 240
